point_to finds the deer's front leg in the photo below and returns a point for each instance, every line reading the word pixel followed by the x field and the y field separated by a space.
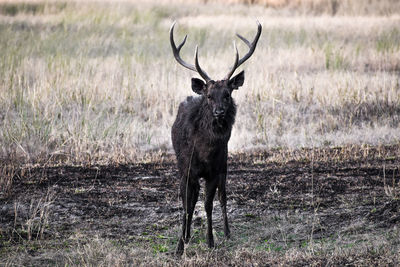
pixel 211 187
pixel 222 201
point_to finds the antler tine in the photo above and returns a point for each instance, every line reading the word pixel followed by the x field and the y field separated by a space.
pixel 244 40
pixel 176 51
pixel 235 65
pixel 202 73
pixel 252 48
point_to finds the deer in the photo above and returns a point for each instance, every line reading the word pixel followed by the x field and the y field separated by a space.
pixel 200 136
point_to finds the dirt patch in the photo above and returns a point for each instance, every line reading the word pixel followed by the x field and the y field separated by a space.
pixel 289 204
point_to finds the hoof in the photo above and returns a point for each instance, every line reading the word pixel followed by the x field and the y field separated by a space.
pixel 187 239
pixel 210 242
pixel 228 234
pixel 180 248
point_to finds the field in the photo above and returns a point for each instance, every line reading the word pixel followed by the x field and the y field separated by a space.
pixel 88 94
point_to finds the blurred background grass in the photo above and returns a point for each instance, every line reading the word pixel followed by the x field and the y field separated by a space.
pixel 96 82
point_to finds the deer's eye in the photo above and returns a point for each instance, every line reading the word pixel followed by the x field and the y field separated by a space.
pixel 209 97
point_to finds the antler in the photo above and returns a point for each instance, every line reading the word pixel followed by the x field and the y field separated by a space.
pixel 176 50
pixel 252 47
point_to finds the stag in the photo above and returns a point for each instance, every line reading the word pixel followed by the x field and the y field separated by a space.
pixel 200 136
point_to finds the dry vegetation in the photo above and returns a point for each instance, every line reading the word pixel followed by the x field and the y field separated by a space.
pixel 311 207
pixel 95 82
pixel 331 7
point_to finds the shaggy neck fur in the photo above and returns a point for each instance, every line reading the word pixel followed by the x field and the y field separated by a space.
pixel 216 129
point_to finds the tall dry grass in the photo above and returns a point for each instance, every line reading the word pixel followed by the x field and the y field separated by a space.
pixel 97 82
pixel 331 7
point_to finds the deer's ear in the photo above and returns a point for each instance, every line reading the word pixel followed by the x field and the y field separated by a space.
pixel 237 81
pixel 198 86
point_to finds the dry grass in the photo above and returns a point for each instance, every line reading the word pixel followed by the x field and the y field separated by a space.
pixel 331 7
pixel 96 82
pixel 91 82
pixel 270 228
pixel 78 250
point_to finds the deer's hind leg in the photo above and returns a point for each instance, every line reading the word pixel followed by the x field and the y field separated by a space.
pixel 189 193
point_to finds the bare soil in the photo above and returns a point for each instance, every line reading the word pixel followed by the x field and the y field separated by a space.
pixel 290 205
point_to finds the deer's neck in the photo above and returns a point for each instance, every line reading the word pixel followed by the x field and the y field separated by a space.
pixel 217 129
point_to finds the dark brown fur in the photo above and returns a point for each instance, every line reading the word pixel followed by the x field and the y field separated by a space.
pixel 200 138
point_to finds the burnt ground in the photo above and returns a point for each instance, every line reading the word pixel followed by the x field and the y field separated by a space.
pixel 328 212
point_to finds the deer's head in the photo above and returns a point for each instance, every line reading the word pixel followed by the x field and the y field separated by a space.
pixel 218 93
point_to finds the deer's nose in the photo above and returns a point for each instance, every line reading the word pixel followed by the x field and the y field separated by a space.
pixel 219 112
